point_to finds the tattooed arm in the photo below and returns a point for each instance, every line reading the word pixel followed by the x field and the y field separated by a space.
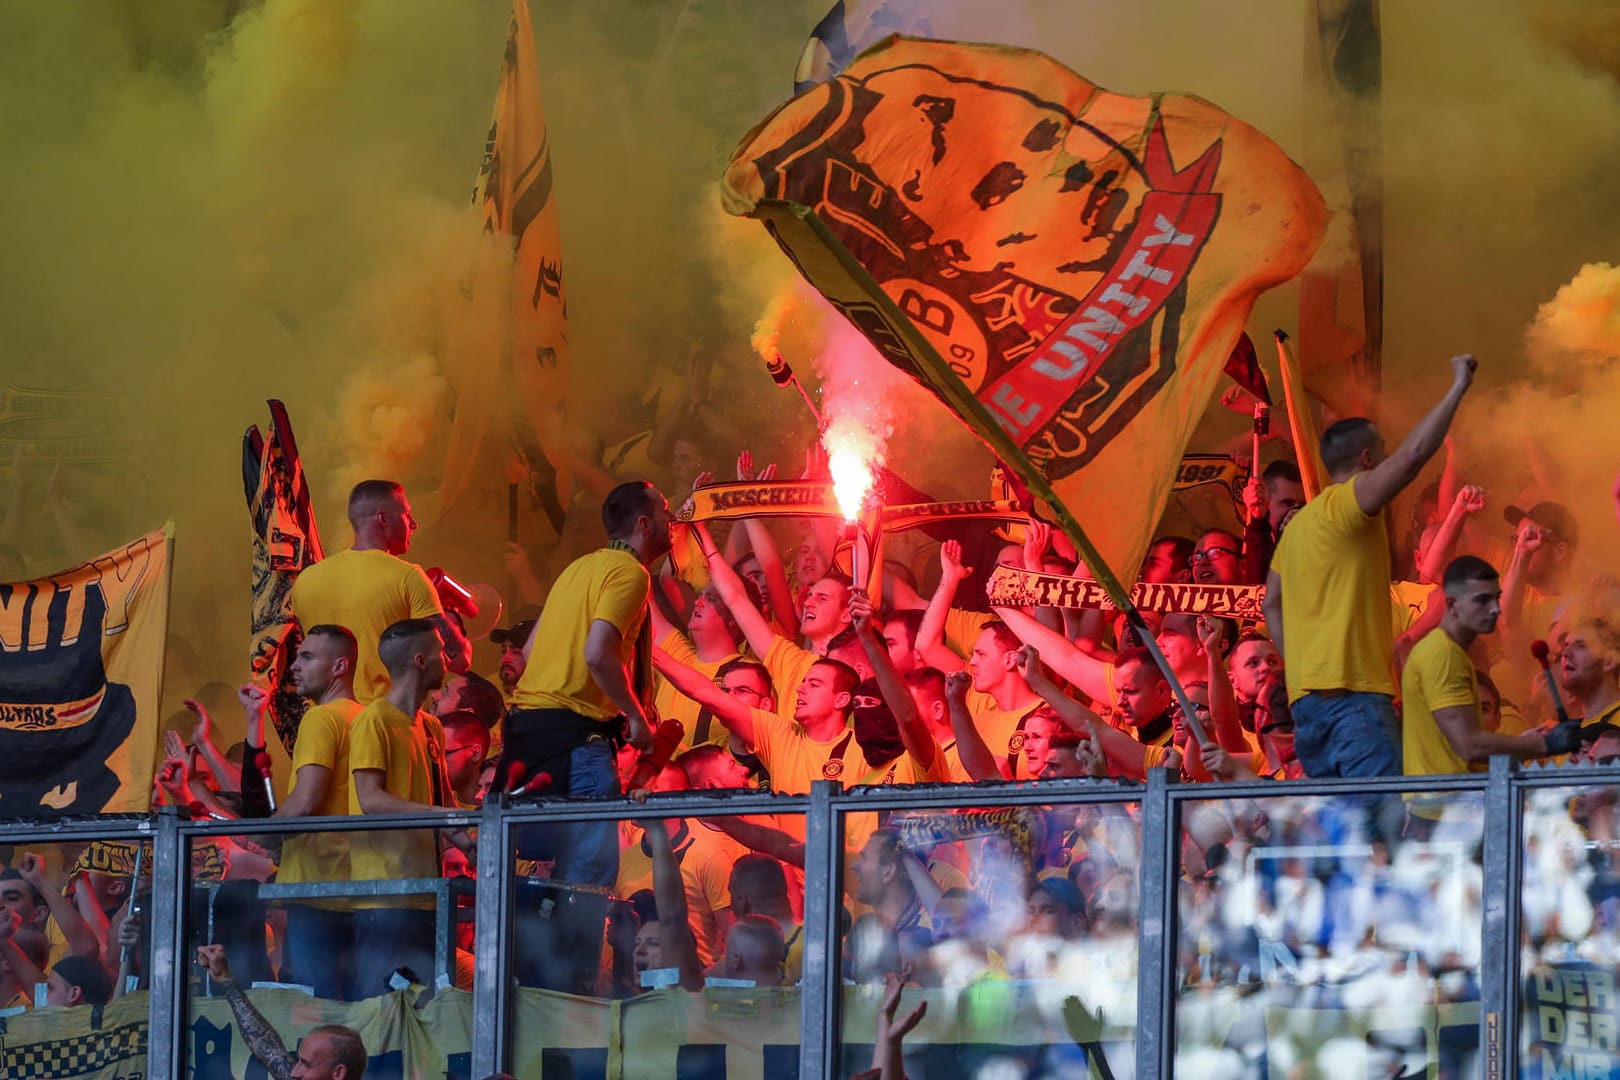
pixel 262 1040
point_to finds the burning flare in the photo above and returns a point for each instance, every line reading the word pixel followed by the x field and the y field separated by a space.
pixel 852 450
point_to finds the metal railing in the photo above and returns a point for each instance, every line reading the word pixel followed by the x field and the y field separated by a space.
pixel 1161 804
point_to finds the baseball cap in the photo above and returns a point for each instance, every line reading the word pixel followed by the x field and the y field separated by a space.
pixel 1549 515
pixel 518 633
pixel 88 975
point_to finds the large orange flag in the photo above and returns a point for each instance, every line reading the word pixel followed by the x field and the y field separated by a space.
pixel 1067 268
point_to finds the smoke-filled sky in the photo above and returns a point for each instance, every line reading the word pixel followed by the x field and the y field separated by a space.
pixel 211 202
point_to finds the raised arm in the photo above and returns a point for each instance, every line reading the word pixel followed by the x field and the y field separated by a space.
pixel 1516 637
pixel 80 937
pixel 977 760
pixel 262 1040
pixel 1470 500
pixel 23 971
pixel 1085 673
pixel 931 633
pixel 1223 707
pixel 913 732
pixel 730 711
pixel 226 775
pixel 756 630
pixel 669 894
pixel 888 1055
pixel 1377 488
pixel 780 594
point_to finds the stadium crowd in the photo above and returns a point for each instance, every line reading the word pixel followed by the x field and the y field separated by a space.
pixel 677 658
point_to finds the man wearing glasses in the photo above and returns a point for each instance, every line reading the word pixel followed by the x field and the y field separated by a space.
pixel 371 586
pixel 1218 559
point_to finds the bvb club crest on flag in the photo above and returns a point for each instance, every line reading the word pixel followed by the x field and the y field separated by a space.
pixel 1068 268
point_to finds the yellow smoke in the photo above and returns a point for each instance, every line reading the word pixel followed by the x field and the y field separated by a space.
pixel 213 202
pixel 1579 328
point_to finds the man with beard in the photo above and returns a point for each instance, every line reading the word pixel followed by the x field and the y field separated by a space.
pixel 320 933
pixel 1439 692
pixel 396 766
pixel 371 586
pixel 584 687
pixel 1589 666
pixel 512 642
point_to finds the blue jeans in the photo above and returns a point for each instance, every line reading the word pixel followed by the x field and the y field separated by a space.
pixel 389 938
pixel 588 851
pixel 320 951
pixel 1348 734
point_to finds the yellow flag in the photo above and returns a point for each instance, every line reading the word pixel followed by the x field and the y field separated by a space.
pixel 81 668
pixel 1301 420
pixel 515 195
pixel 1068 269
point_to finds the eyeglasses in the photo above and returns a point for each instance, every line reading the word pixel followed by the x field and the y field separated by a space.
pixel 1208 554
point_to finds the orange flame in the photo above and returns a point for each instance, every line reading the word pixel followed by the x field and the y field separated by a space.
pixel 851 450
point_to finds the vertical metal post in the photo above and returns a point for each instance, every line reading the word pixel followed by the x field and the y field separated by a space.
pixel 168 968
pixel 821 988
pixel 1156 938
pixel 492 992
pixel 1498 952
pixel 444 950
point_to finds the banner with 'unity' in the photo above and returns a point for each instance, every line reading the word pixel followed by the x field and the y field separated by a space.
pixel 1067 268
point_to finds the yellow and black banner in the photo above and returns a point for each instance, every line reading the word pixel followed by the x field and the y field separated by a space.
pixel 1066 268
pixel 1010 586
pixel 1196 470
pixel 81 668
pixel 814 498
pixel 285 541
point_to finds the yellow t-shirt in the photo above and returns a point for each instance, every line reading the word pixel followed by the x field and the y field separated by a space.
pixel 367 592
pixel 948 766
pixel 1334 564
pixel 1407 601
pixel 705 857
pixel 788 665
pixel 1438 675
pixel 410 753
pixel 795 760
pixel 700 724
pixel 323 739
pixel 962 629
pixel 1002 730
pixel 608 584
